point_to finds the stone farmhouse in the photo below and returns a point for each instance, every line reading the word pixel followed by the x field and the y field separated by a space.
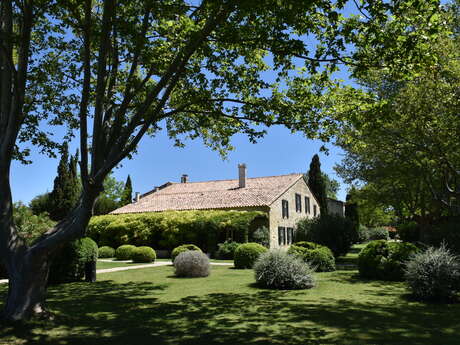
pixel 286 199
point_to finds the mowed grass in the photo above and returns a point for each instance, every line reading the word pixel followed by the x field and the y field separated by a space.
pixel 151 306
pixel 114 263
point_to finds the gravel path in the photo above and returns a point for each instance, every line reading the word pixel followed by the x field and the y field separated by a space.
pixel 156 264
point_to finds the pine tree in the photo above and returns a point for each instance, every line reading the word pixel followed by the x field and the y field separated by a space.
pixel 316 184
pixel 66 188
pixel 127 193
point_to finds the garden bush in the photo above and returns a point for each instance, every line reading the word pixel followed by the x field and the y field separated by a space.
pixel 246 254
pixel 125 252
pixel 183 248
pixel 226 250
pixel 144 254
pixel 69 263
pixel 262 236
pixel 318 256
pixel 106 252
pixel 379 233
pixel 333 231
pixel 167 230
pixel 276 269
pixel 363 234
pixel 409 232
pixel 433 274
pixel 192 263
pixel 385 260
pixel 447 233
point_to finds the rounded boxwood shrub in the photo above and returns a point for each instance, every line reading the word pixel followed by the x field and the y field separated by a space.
pixel 433 274
pixel 226 250
pixel 192 263
pixel 385 260
pixel 276 269
pixel 320 257
pixel 125 252
pixel 106 252
pixel 144 254
pixel 183 248
pixel 246 254
pixel 69 263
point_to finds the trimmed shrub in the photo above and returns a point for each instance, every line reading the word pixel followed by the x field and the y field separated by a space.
pixel 409 232
pixel 433 274
pixel 363 234
pixel 106 252
pixel 125 252
pixel 226 250
pixel 246 254
pixel 69 263
pixel 333 231
pixel 379 233
pixel 318 256
pixel 144 254
pixel 192 263
pixel 183 248
pixel 385 260
pixel 276 269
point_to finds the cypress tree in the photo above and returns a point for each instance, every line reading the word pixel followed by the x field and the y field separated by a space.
pixel 316 184
pixel 66 187
pixel 351 210
pixel 127 196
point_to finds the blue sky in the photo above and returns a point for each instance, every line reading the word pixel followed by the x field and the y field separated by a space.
pixel 158 161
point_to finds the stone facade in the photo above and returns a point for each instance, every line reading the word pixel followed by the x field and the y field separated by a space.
pixel 276 218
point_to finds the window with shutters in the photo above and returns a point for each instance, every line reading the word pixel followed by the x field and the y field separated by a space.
pixel 289 235
pixel 298 203
pixel 281 235
pixel 285 208
pixel 307 205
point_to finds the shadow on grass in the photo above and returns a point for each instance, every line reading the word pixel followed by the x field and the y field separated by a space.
pixel 110 313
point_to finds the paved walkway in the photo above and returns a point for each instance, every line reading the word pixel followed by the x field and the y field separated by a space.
pixel 126 268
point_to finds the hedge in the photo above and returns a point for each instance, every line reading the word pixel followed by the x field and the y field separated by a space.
pixel 166 230
pixel 69 263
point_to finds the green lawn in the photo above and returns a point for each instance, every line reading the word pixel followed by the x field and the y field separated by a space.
pixel 114 263
pixel 151 306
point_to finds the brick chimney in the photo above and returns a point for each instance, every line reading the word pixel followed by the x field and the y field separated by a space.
pixel 242 175
pixel 137 197
pixel 184 178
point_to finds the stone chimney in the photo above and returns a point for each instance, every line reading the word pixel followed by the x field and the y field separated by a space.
pixel 184 179
pixel 137 197
pixel 242 175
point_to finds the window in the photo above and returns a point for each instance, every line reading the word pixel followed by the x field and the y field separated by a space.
pixel 298 203
pixel 281 235
pixel 307 205
pixel 314 211
pixel 290 235
pixel 285 208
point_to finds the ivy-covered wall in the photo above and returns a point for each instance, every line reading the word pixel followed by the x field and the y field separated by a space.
pixel 166 230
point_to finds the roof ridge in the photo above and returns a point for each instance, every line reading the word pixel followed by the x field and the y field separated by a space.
pixel 235 179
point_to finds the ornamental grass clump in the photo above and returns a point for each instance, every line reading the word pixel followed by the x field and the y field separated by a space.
pixel 125 252
pixel 192 264
pixel 246 254
pixel 106 252
pixel 433 274
pixel 183 248
pixel 144 254
pixel 278 270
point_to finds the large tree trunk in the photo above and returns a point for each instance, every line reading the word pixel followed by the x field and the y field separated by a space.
pixel 28 276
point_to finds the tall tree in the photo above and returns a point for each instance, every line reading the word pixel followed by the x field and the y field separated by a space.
pixel 316 183
pixel 127 197
pixel 65 192
pixel 195 68
pixel 351 210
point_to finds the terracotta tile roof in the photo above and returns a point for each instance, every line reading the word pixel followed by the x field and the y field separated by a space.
pixel 259 191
